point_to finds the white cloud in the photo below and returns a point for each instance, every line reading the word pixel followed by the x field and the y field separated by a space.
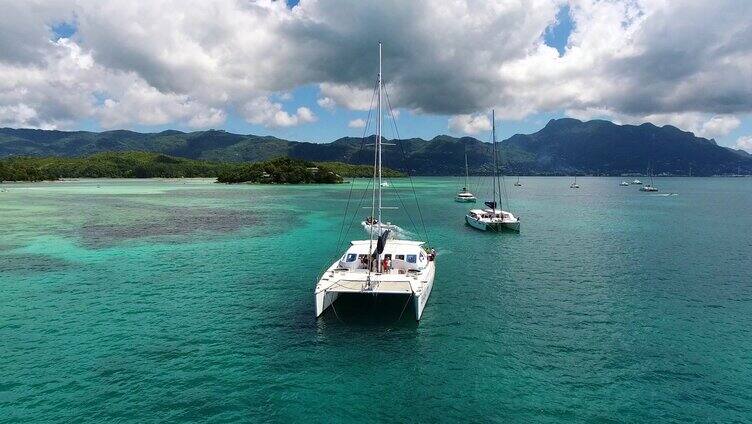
pixel 326 103
pixel 470 124
pixel 262 111
pixel 351 97
pixel 744 143
pixel 19 115
pixel 191 61
pixel 718 126
pixel 356 123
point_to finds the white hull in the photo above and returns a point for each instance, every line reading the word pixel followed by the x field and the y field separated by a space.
pixel 375 228
pixel 404 276
pixel 495 226
pixel 465 199
pixel 335 282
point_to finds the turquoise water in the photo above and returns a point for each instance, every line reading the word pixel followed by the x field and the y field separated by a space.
pixel 140 301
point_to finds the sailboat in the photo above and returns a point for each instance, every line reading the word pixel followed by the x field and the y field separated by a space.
pixel 574 183
pixel 518 183
pixel 464 195
pixel 649 187
pixel 493 218
pixel 380 265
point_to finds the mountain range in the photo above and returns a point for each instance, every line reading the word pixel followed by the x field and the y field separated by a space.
pixel 563 146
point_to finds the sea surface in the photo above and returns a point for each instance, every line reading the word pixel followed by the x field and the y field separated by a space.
pixel 184 300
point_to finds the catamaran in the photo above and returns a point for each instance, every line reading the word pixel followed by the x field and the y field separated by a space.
pixel 380 265
pixel 464 195
pixel 574 183
pixel 493 218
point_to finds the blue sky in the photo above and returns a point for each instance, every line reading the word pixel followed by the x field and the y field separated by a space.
pixel 269 68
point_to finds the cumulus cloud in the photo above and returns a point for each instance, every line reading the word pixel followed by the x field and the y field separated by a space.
pixel 744 143
pixel 264 112
pixel 326 103
pixel 470 124
pixel 192 61
pixel 356 123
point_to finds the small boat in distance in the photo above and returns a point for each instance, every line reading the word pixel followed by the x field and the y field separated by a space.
pixel 637 182
pixel 518 183
pixel 379 265
pixel 624 184
pixel 464 195
pixel 649 187
pixel 372 225
pixel 574 183
pixel 384 184
pixel 493 218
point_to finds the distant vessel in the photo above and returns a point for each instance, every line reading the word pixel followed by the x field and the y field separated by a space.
pixel 373 225
pixel 384 184
pixel 574 183
pixel 493 218
pixel 379 265
pixel 518 183
pixel 465 196
pixel 649 187
pixel 637 182
pixel 624 184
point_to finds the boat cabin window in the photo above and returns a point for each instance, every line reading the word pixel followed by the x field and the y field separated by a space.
pixel 422 257
pixel 412 258
pixel 399 257
pixel 351 257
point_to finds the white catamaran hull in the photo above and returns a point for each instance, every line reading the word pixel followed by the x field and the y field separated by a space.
pixel 335 281
pixel 492 226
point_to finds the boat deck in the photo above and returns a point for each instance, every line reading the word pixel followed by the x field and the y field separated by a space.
pixel 356 281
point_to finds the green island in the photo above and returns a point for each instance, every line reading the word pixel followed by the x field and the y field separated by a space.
pixel 282 170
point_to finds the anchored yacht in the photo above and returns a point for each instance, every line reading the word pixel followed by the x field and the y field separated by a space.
pixel 464 195
pixel 493 218
pixel 373 225
pixel 381 265
pixel 649 187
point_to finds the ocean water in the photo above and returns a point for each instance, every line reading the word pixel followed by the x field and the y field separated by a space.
pixel 184 301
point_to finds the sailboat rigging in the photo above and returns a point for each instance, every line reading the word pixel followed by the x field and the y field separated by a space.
pixel 464 195
pixel 381 265
pixel 649 187
pixel 494 218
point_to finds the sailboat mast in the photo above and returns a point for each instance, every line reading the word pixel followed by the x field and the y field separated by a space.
pixel 378 140
pixel 466 171
pixel 493 144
